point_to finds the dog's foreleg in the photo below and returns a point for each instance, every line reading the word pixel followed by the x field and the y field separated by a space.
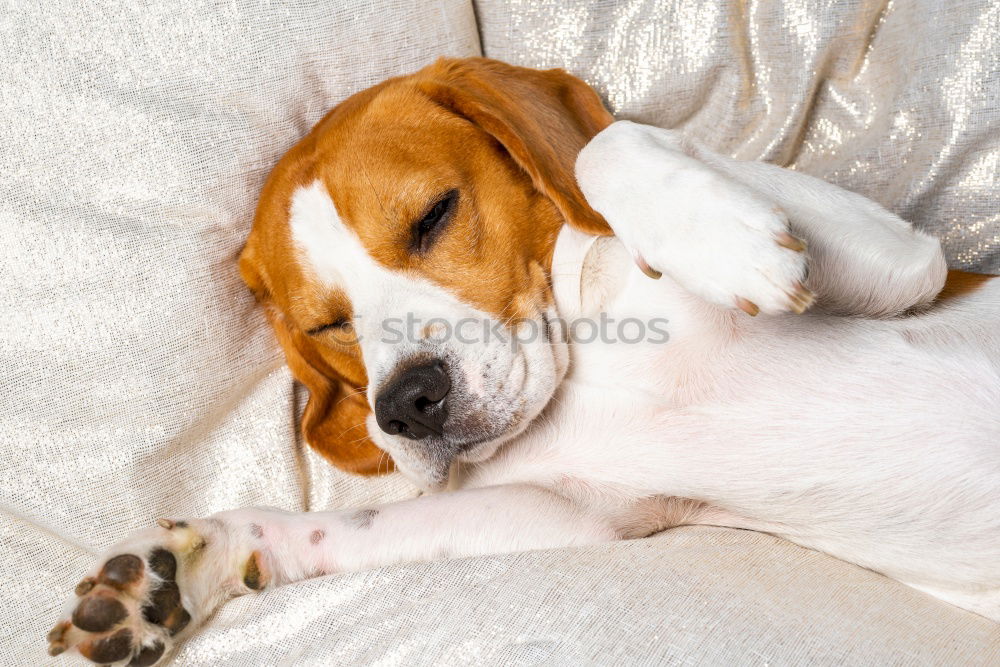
pixel 739 234
pixel 863 259
pixel 468 522
pixel 161 583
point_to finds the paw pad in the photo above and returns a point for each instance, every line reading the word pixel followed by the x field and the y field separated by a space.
pixel 99 612
pixel 163 563
pixel 122 572
pixel 164 606
pixel 111 621
pixel 112 648
pixel 148 655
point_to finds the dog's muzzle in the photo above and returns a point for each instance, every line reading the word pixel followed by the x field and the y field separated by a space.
pixel 415 403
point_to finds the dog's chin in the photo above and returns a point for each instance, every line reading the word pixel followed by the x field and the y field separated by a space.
pixel 478 431
pixel 430 468
pixel 484 450
pixel 429 464
pixel 532 404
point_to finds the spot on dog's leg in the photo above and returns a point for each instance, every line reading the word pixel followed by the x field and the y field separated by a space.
pixel 256 530
pixel 362 519
pixel 253 573
pixel 316 536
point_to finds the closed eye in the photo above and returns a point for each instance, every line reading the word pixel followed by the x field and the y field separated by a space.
pixel 342 324
pixel 429 226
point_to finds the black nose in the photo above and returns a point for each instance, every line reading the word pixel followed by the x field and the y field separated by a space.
pixel 414 402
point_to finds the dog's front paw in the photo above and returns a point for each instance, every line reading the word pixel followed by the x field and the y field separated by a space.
pixel 715 237
pixel 729 247
pixel 153 587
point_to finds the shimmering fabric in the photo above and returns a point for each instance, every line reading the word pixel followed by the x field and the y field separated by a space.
pixel 691 596
pixel 899 101
pixel 139 380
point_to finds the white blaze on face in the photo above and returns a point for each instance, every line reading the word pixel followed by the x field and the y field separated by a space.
pixel 328 247
pixel 338 260
pixel 380 297
pixel 496 388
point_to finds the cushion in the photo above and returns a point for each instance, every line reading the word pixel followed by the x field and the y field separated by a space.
pixel 697 595
pixel 140 380
pixel 896 101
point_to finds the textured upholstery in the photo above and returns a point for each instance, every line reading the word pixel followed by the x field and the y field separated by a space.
pixel 899 101
pixel 691 596
pixel 139 380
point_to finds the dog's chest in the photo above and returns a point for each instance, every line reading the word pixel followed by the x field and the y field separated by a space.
pixel 638 339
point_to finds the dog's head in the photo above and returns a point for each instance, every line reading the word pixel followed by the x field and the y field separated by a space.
pixel 402 253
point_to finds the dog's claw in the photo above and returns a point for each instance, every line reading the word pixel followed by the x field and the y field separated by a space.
pixel 57 638
pixel 747 306
pixel 786 240
pixel 801 298
pixel 57 632
pixel 169 524
pixel 646 268
pixel 85 586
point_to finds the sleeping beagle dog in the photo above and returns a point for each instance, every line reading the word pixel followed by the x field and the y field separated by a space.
pixel 584 330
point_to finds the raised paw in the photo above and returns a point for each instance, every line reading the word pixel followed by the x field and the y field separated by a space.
pixel 155 585
pixel 717 238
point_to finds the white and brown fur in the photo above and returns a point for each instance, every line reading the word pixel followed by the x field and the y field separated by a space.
pixel 867 427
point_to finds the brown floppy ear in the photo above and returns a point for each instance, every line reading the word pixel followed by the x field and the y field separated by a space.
pixel 251 275
pixel 542 117
pixel 334 422
pixel 335 419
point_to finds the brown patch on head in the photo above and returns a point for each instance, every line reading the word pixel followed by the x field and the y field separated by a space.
pixel 333 422
pixel 500 140
pixel 960 283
